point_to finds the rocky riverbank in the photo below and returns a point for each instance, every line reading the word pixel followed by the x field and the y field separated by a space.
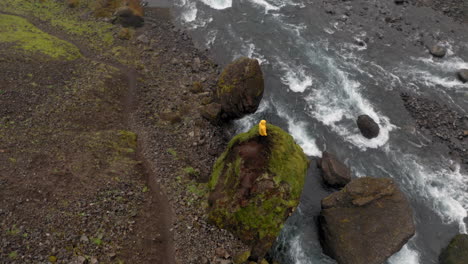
pixel 103 147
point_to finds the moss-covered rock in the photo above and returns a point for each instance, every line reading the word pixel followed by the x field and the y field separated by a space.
pixel 456 252
pixel 25 36
pixel 255 185
pixel 240 88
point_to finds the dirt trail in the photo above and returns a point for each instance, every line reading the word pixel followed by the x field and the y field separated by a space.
pixel 146 239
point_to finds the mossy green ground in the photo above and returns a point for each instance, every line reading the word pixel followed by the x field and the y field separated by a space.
pixel 26 36
pixel 262 218
pixel 99 35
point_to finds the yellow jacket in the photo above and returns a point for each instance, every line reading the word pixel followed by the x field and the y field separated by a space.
pixel 262 129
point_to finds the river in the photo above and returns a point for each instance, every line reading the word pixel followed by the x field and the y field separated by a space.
pixel 324 65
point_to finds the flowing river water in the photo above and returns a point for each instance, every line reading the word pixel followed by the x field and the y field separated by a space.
pixel 321 72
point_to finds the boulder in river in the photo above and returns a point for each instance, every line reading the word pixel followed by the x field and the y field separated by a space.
pixel 366 222
pixel 240 88
pixel 255 185
pixel 334 172
pixel 456 252
pixel 438 51
pixel 368 127
pixel 463 75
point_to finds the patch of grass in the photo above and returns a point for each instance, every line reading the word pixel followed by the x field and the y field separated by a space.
pixel 172 152
pixel 97 241
pixel 13 255
pixel 191 171
pixel 13 231
pixel 145 189
pixel 199 190
pixel 26 36
pixel 99 35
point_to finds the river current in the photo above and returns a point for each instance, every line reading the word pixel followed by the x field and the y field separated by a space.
pixel 321 72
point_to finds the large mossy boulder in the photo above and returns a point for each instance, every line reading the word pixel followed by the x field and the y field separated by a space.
pixel 366 222
pixel 255 185
pixel 240 88
pixel 456 252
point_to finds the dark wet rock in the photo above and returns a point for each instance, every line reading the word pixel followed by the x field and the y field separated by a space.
pixel 128 17
pixel 438 51
pixel 463 75
pixel 240 88
pixel 255 185
pixel 334 172
pixel 366 222
pixel 456 252
pixel 368 127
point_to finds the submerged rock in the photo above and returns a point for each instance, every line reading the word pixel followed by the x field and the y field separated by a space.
pixel 255 185
pixel 463 75
pixel 456 252
pixel 368 127
pixel 438 51
pixel 334 172
pixel 240 88
pixel 366 222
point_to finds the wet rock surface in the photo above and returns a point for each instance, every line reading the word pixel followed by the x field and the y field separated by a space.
pixel 240 88
pixel 456 252
pixel 438 51
pixel 334 172
pixel 463 75
pixel 368 127
pixel 366 222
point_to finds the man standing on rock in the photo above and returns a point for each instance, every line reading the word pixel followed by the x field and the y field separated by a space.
pixel 262 129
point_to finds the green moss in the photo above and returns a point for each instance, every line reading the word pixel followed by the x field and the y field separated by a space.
pixel 191 171
pixel 13 255
pixel 26 36
pixel 99 35
pixel 265 212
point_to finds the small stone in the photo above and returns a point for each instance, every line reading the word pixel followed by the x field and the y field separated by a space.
pixel 143 39
pixel 463 75
pixel 112 255
pixel 93 260
pixel 438 51
pixel 125 34
pixel 84 238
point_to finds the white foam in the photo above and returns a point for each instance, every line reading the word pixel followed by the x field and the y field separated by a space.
pixel 218 4
pixel 268 7
pixel 298 131
pixel 247 122
pixel 428 79
pixel 451 65
pixel 296 77
pixel 190 11
pixel 443 190
pixel 338 103
pixel 251 51
pixel 405 256
pixel 297 252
